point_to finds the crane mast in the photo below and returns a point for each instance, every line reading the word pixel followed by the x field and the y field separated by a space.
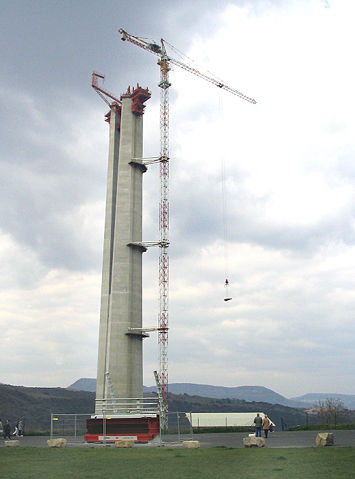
pixel 163 321
pixel 164 63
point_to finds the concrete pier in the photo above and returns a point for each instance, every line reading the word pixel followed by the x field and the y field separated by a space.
pixel 120 369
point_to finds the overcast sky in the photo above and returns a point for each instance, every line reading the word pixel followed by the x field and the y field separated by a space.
pixel 262 194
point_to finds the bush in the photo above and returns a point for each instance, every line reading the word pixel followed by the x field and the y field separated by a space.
pixel 201 430
pixel 37 433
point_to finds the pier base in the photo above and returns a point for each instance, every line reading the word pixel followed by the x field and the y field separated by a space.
pixel 122 428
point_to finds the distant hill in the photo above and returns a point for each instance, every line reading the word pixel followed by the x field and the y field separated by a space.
pixel 280 415
pixel 309 400
pixel 84 384
pixel 246 393
pixel 89 384
pixel 36 404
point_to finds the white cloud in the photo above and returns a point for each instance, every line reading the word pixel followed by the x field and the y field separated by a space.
pixel 288 193
pixel 50 330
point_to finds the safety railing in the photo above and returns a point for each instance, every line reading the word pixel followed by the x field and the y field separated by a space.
pixel 123 406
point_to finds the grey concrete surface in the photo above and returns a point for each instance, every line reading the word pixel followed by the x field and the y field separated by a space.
pixel 276 439
pixel 120 367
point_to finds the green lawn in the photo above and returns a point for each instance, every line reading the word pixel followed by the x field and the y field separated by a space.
pixel 141 463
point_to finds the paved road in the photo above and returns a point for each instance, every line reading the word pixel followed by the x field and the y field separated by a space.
pixel 276 439
pixel 235 440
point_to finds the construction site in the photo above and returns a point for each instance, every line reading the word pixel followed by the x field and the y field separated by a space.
pixel 121 410
pixel 177 239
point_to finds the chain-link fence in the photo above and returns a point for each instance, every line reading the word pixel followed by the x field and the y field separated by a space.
pixel 179 427
pixel 73 427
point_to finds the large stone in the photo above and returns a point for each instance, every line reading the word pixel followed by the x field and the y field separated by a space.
pixel 325 439
pixel 252 441
pixel 12 443
pixel 123 443
pixel 191 444
pixel 59 442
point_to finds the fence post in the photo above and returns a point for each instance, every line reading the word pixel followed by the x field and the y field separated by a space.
pixel 51 425
pixel 104 425
pixel 178 425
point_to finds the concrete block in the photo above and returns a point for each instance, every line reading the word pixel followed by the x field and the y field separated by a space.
pixel 59 442
pixel 124 443
pixel 12 443
pixel 252 441
pixel 191 444
pixel 325 439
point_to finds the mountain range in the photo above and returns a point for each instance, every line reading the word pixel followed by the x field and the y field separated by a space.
pixel 246 393
pixel 34 405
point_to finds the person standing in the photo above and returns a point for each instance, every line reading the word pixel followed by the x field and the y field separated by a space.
pixel 20 428
pixel 7 430
pixel 258 423
pixel 266 425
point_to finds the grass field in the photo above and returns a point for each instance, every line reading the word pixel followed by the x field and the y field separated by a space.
pixel 113 463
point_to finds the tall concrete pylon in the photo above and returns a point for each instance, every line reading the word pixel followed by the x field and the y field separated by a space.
pixel 120 365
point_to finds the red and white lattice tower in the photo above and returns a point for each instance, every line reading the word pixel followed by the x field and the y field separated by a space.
pixel 163 319
pixel 164 232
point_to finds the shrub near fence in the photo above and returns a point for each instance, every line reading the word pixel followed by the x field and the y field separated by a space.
pixel 201 430
pixel 321 427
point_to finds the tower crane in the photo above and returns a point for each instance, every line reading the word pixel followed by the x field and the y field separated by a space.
pixel 164 62
pixel 160 51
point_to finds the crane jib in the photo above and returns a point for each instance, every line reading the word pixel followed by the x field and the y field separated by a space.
pixel 160 51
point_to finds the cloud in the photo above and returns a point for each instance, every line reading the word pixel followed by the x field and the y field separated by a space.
pixel 51 181
pixel 262 194
pixel 50 329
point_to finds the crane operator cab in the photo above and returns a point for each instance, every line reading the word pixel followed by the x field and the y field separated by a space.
pixel 226 285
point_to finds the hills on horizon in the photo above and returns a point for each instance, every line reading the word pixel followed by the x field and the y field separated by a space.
pixel 35 405
pixel 246 393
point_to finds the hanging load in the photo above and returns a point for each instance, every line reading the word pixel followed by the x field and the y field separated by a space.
pixel 226 285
